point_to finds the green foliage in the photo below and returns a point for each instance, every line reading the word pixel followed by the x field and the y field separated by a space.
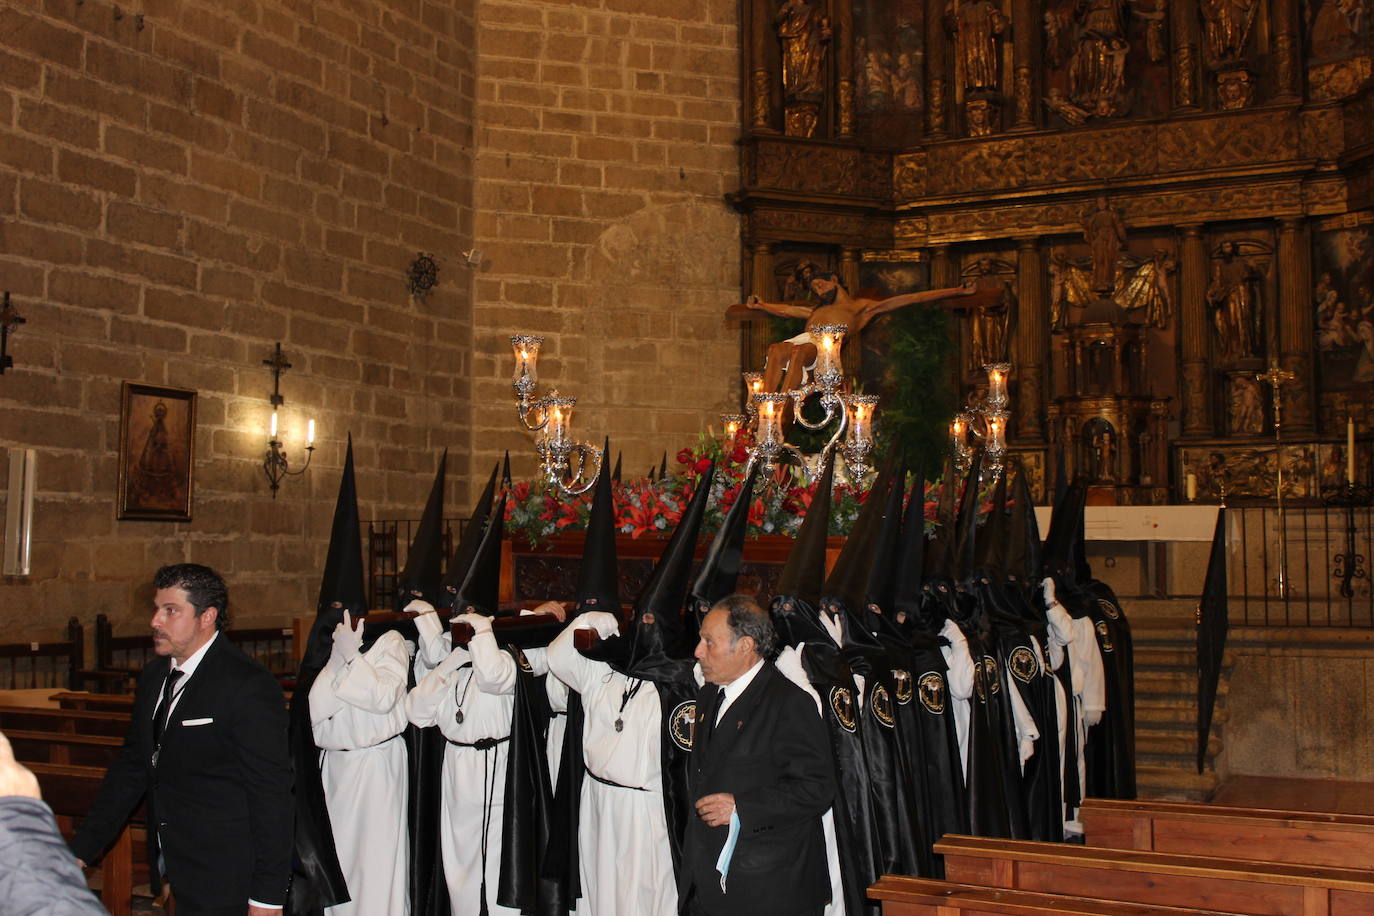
pixel 917 413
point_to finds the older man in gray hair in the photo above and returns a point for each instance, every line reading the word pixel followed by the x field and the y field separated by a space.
pixel 761 775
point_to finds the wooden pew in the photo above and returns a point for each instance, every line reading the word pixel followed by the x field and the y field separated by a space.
pixel 1135 876
pixel 56 747
pixel 96 702
pixel 1256 834
pixel 901 896
pixel 27 665
pixel 69 791
pixel 64 721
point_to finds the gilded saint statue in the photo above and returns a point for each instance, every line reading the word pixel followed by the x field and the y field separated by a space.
pixel 805 35
pixel 990 315
pixel 1228 24
pixel 1096 63
pixel 1106 236
pixel 977 26
pixel 1233 297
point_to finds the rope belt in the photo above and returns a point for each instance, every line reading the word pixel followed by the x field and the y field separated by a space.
pixel 613 783
pixel 349 750
pixel 481 744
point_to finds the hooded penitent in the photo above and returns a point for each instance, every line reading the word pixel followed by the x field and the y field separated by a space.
pixel 468 544
pixel 424 564
pixel 317 881
pixel 796 610
pixel 479 589
pixel 891 767
pixel 719 574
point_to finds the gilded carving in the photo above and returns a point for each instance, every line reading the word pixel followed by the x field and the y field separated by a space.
pixel 1227 28
pixel 1194 393
pixel 773 223
pixel 1233 297
pixel 803 167
pixel 1250 471
pixel 935 117
pixel 805 34
pixel 1185 77
pixel 1138 285
pixel 981 117
pixel 977 26
pixel 909 175
pixel 1025 102
pixel 1339 79
pixel 760 104
pixel 1235 89
pixel 846 108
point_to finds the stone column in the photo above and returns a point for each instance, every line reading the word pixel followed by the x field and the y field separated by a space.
pixel 1183 16
pixel 1025 32
pixel 844 37
pixel 936 125
pixel 1032 326
pixel 760 81
pixel 1295 326
pixel 1195 392
pixel 1286 52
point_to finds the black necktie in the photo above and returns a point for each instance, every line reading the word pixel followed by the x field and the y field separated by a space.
pixel 164 707
pixel 720 703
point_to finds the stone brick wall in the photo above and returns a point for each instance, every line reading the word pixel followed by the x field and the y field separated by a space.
pixel 181 188
pixel 184 183
pixel 604 148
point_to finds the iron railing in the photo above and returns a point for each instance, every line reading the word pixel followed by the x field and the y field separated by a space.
pixel 388 542
pixel 1325 581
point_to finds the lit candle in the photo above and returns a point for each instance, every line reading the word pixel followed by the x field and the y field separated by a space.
pixel 1350 451
pixel 273 431
pixel 1190 486
pixel 310 432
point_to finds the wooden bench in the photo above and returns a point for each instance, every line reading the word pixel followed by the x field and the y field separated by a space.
pixel 70 791
pixel 1256 834
pixel 96 702
pixel 56 747
pixel 43 664
pixel 1136 876
pixel 63 721
pixel 901 896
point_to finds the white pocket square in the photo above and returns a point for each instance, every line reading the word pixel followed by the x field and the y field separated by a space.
pixel 196 721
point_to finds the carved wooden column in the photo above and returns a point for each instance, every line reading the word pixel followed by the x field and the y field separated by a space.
pixel 760 83
pixel 1183 16
pixel 1025 32
pixel 851 352
pixel 1286 51
pixel 761 282
pixel 844 36
pixel 936 125
pixel 1295 326
pixel 1192 326
pixel 944 274
pixel 1032 325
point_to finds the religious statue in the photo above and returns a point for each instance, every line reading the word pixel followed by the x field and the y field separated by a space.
pixel 990 317
pixel 1106 236
pixel 976 24
pixel 1228 24
pixel 797 354
pixel 1097 69
pixel 804 33
pixel 1235 89
pixel 1247 406
pixel 1155 26
pixel 1140 286
pixel 1103 441
pixel 980 115
pixel 1233 297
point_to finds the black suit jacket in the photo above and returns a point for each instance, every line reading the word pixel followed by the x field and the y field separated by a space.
pixel 220 795
pixel 772 753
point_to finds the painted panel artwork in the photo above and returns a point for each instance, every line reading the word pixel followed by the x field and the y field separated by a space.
pixel 1343 306
pixel 156 453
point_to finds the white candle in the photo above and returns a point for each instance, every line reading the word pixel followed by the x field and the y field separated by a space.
pixel 310 432
pixel 1190 486
pixel 273 431
pixel 1350 451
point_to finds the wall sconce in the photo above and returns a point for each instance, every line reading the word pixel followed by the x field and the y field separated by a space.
pixel 9 320
pixel 552 423
pixel 274 463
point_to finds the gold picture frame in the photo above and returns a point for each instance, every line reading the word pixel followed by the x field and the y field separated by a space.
pixel 157 437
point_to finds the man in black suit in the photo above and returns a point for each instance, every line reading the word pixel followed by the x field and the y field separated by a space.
pixel 761 772
pixel 207 746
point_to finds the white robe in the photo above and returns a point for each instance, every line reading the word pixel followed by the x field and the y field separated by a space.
pixel 1075 641
pixel 959 680
pixel 357 714
pixel 558 723
pixel 479 680
pixel 626 864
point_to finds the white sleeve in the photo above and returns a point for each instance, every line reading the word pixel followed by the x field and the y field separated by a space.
pixel 492 667
pixel 424 702
pixel 1094 692
pixel 960 675
pixel 324 698
pixel 569 665
pixel 557 692
pixel 435 643
pixel 1026 732
pixel 375 681
pixel 789 665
